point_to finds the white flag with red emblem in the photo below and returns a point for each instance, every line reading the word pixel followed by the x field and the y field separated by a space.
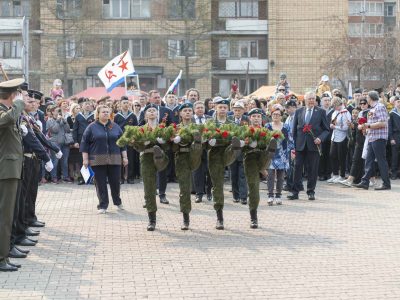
pixel 114 73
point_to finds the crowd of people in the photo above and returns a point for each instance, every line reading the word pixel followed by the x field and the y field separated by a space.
pixel 322 136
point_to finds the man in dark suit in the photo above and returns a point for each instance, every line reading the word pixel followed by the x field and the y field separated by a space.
pixel 238 178
pixel 164 116
pixel 325 169
pixel 201 177
pixel 307 144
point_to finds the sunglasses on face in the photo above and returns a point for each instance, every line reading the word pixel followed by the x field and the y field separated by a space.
pixel 363 103
pixel 137 105
pixel 281 90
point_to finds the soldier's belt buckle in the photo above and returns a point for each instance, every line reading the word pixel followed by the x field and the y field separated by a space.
pixel 184 150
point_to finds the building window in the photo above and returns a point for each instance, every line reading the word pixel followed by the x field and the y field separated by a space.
pixel 14 8
pixel 126 9
pixel 355 29
pixel 70 49
pixel 355 8
pixel 179 9
pixel 179 48
pixel 67 9
pixel 238 49
pixel 374 8
pixel 10 49
pixel 390 10
pixel 139 48
pixel 238 9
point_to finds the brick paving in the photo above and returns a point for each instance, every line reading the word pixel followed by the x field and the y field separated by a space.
pixel 345 245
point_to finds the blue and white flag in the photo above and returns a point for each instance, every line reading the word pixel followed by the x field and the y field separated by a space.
pixel 350 94
pixel 174 86
pixel 115 71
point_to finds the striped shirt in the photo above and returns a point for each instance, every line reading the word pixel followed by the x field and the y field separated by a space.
pixel 378 113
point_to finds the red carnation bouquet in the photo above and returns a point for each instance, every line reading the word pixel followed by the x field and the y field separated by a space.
pixel 307 129
pixel 223 134
pixel 362 121
pixel 261 135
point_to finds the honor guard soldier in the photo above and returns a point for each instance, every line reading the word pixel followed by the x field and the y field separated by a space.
pixel 256 160
pixel 123 118
pixel 11 107
pixel 33 151
pixel 152 160
pixel 219 157
pixel 188 154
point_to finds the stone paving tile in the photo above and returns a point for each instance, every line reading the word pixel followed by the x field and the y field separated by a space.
pixel 345 245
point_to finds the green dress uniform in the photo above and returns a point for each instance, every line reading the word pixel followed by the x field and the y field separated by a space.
pixel 187 159
pixel 11 159
pixel 219 157
pixel 256 160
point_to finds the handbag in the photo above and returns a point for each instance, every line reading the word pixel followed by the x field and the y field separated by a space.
pixel 68 139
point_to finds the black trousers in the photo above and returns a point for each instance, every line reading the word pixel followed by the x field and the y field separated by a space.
pixel 32 192
pixel 357 166
pixel 395 158
pixel 17 208
pixel 308 160
pixel 136 164
pixel 238 179
pixel 201 177
pixel 338 157
pixel 376 150
pixel 325 169
pixel 131 165
pixel 101 174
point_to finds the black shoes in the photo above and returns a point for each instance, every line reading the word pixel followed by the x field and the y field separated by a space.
pixel 22 250
pixel 243 201
pixel 130 181
pixel 186 221
pixel 152 221
pixel 382 188
pixel 199 199
pixel 6 267
pixel 163 199
pixel 15 265
pixel 311 196
pixel 14 253
pixel 293 197
pixel 236 200
pixel 37 224
pixel 254 220
pixel 26 242
pixel 220 220
pixel 31 232
pixel 361 186
pixel 209 197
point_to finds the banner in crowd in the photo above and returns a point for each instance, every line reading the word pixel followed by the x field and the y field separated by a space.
pixel 174 85
pixel 115 71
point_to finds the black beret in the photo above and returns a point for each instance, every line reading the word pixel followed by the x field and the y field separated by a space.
pixel 291 103
pixel 150 105
pixel 35 94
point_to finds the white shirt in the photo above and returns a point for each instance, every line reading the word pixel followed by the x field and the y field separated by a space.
pixel 341 118
pixel 200 120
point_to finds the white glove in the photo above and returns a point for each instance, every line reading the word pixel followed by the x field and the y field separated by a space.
pixel 212 142
pixel 242 143
pixel 146 143
pixel 49 166
pixel 19 97
pixel 39 123
pixel 59 154
pixel 253 144
pixel 177 139
pixel 160 140
pixel 24 130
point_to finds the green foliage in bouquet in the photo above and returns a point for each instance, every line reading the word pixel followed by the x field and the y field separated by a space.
pixel 223 134
pixel 186 132
pixel 165 132
pixel 134 135
pixel 261 135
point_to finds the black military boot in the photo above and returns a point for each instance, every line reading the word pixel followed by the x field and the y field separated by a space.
pixel 253 217
pixel 152 221
pixel 186 221
pixel 220 220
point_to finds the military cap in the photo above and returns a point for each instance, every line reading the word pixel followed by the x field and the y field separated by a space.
pixel 150 105
pixel 171 93
pixel 238 104
pixel 358 91
pixel 35 94
pixel 292 103
pixel 255 111
pixel 327 94
pixel 185 105
pixel 293 97
pixel 24 86
pixel 10 86
pixel 82 100
pixel 222 101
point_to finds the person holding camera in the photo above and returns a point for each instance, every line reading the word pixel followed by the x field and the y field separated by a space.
pixel 59 133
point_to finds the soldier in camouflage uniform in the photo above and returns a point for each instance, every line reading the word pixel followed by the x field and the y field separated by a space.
pixel 220 156
pixel 256 160
pixel 187 159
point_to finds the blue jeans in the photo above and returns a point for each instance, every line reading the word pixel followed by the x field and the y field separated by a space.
pixel 64 162
pixel 376 150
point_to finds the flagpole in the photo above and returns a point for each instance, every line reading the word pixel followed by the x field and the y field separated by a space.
pixel 172 85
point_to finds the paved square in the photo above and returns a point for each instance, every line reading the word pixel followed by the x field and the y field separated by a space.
pixel 345 245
